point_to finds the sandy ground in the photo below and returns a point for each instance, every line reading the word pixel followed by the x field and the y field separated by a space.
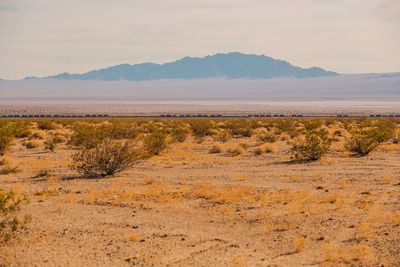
pixel 187 207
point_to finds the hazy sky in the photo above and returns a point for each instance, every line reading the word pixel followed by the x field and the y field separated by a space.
pixel 43 37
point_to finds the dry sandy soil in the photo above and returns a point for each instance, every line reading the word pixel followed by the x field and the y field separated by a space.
pixel 187 207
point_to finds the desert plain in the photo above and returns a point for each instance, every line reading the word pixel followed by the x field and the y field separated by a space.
pixel 228 195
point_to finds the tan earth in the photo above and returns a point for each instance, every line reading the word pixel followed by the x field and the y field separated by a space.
pixel 187 207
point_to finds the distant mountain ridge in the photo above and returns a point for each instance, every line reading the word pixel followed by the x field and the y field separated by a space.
pixel 230 66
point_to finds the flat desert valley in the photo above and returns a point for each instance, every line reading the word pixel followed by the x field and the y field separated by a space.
pixel 221 192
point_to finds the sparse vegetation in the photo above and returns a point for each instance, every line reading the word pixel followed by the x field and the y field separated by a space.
pixel 46 125
pixel 226 185
pixel 366 140
pixel 312 147
pixel 50 143
pixel 155 142
pixel 107 158
pixel 5 140
pixel 11 222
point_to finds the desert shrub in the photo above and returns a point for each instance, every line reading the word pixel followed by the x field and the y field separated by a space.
pixel 46 125
pixel 155 141
pixel 338 133
pixel 86 135
pixel 222 136
pixel 89 135
pixel 216 149
pixel 267 137
pixel 285 125
pixel 10 220
pixel 8 169
pixel 311 125
pixel 42 173
pixel 396 137
pixel 19 129
pixel 179 134
pixel 265 148
pixel 49 143
pixel 5 140
pixel 235 150
pixel 366 140
pixel 30 144
pixel 36 136
pixel 58 138
pixel 107 158
pixel 312 147
pixel 240 128
pixel 201 127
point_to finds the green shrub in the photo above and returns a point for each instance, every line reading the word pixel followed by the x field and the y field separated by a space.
pixel 10 221
pixel 312 147
pixel 107 158
pixel 366 140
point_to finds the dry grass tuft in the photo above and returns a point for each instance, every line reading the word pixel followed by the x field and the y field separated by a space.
pixel 235 150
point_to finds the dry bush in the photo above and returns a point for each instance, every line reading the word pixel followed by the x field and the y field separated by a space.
pixel 155 142
pixel 46 125
pixel 216 148
pixel 235 150
pixel 5 140
pixel 312 147
pixel 286 126
pixel 366 140
pixel 240 128
pixel 10 220
pixel 31 144
pixel 50 143
pixel 201 127
pixel 19 129
pixel 396 137
pixel 267 137
pixel 42 173
pixel 36 136
pixel 8 169
pixel 266 148
pixel 179 134
pixel 89 135
pixel 107 158
pixel 222 136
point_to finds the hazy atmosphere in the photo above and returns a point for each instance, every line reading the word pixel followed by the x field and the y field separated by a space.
pixel 40 38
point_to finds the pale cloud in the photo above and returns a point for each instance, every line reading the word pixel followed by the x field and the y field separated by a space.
pixel 42 37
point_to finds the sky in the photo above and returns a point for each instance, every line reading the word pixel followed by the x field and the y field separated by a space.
pixel 45 37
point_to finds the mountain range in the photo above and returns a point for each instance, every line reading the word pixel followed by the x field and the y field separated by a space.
pixel 229 66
